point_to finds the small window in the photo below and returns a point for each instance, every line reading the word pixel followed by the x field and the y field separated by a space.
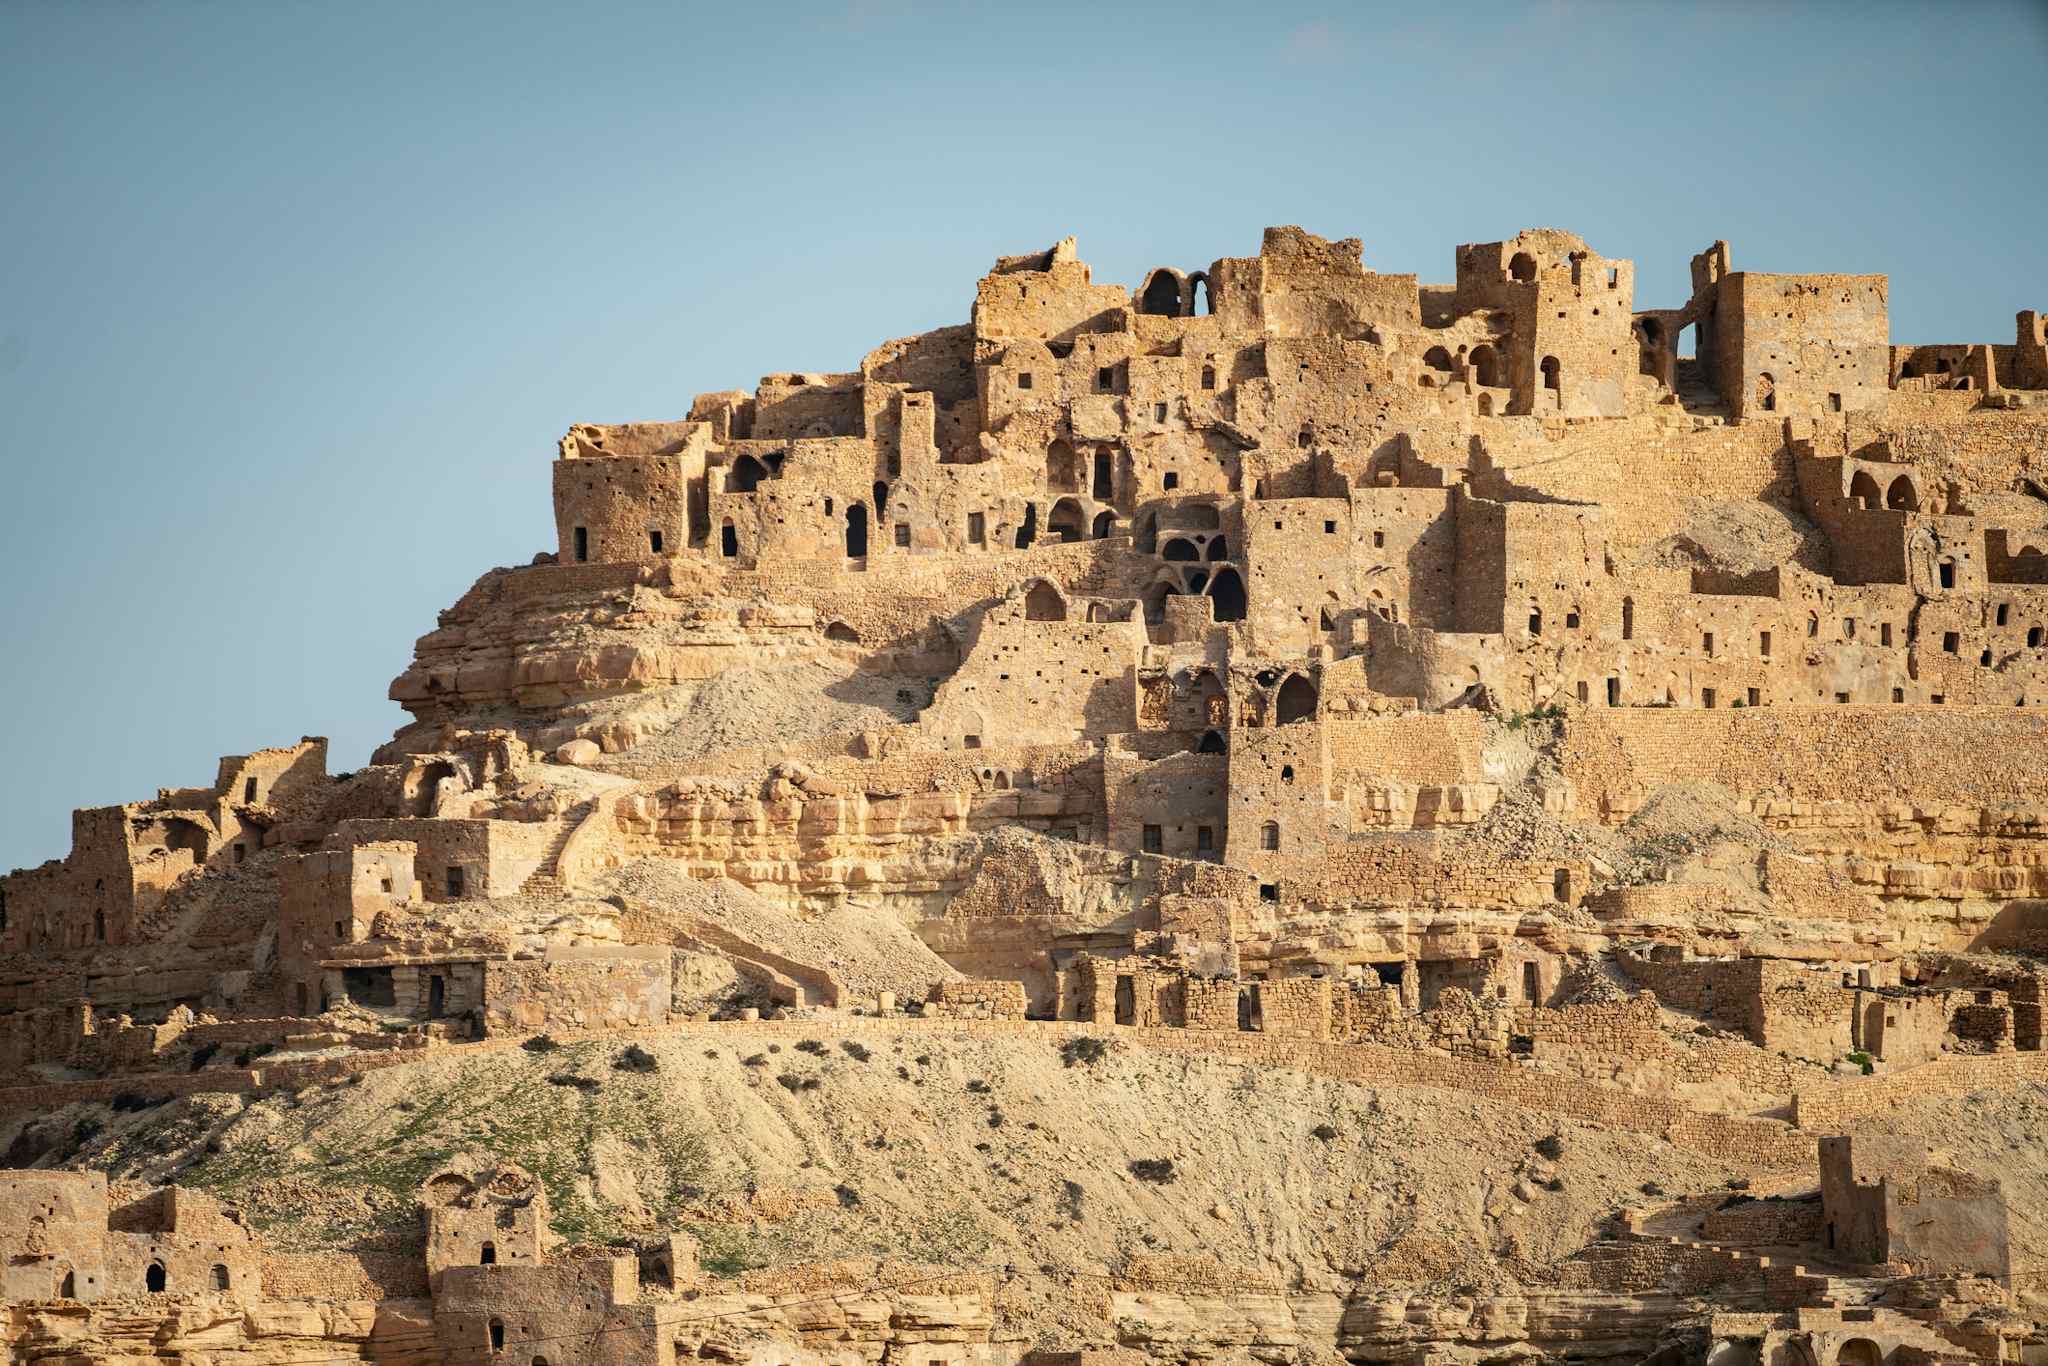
pixel 2033 637
pixel 1755 697
pixel 1269 891
pixel 654 541
pixel 1024 380
pixel 497 1335
pixel 1205 839
pixel 455 882
pixel 1329 528
pixel 1208 377
pixel 971 741
pixel 1536 622
pixel 1154 839
pixel 1841 697
pixel 1937 699
pixel 220 1277
pixel 2002 609
pixel 977 529
pixel 1884 633
pixel 903 533
pixel 1898 694
pixel 1287 773
pixel 1613 692
pixel 1170 482
pixel 249 788
pixel 1159 412
pixel 1379 540
pixel 1848 628
pixel 1763 644
pixel 1707 644
pixel 1269 835
pixel 489 1255
pixel 1571 621
pixel 1951 641
pixel 1584 694
pixel 582 544
pixel 1707 697
pixel 1834 403
pixel 1105 379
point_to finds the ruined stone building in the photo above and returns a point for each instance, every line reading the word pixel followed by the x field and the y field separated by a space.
pixel 1496 686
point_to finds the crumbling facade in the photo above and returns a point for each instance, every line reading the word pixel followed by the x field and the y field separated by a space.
pixel 1632 713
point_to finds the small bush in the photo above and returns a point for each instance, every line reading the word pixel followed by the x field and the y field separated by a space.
pixel 253 1052
pixel 127 1101
pixel 1083 1052
pixel 995 1118
pixel 754 1060
pixel 1157 1170
pixel 857 1051
pixel 1651 1188
pixel 790 1082
pixel 636 1059
pixel 814 1047
pixel 849 1198
pixel 584 1084
pixel 540 1043
pixel 978 1087
pixel 203 1055
pixel 1551 1146
pixel 1325 1132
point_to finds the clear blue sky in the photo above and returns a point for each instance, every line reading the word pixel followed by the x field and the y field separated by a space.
pixel 300 295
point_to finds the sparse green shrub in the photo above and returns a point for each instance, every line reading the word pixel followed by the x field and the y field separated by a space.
pixel 978 1087
pixel 540 1043
pixel 1551 1146
pixel 859 1052
pixel 814 1047
pixel 1325 1132
pixel 636 1059
pixel 754 1060
pixel 1157 1170
pixel 1083 1051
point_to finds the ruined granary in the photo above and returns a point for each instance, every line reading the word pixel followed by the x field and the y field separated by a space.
pixel 1507 712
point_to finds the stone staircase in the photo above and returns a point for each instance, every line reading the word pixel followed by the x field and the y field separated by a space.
pixel 546 880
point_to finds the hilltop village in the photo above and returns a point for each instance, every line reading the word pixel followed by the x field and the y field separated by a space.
pixel 1285 813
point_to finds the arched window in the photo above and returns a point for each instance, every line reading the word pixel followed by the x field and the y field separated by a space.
pixel 1436 358
pixel 840 633
pixel 1218 548
pixel 1105 522
pixel 1105 477
pixel 1179 548
pixel 1199 293
pixel 153 1279
pixel 99 926
pixel 1485 362
pixel 1155 602
pixel 881 498
pixel 1043 603
pixel 729 540
pixel 747 474
pixel 1287 773
pixel 1208 377
pixel 489 1256
pixel 1523 266
pixel 1212 743
pixel 1553 373
pixel 1227 591
pixel 1161 296
pixel 1901 497
pixel 68 1287
pixel 1296 701
pixel 1766 393
pixel 1269 835
pixel 1067 520
pixel 1864 493
pixel 220 1277
pixel 856 531
pixel 497 1335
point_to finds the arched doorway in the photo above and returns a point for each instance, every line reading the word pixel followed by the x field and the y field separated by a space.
pixel 1028 532
pixel 1067 521
pixel 1486 369
pixel 1901 496
pixel 1044 603
pixel 1296 701
pixel 1226 590
pixel 1161 295
pixel 856 531
pixel 1105 522
pixel 1522 267
pixel 747 474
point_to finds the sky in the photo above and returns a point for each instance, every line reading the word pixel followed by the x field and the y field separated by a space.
pixel 299 297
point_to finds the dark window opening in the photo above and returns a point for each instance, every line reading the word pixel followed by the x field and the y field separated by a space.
pixel 977 529
pixel 1205 839
pixel 1105 477
pixel 1212 743
pixel 1028 532
pixel 903 535
pixel 1226 591
pixel 497 1335
pixel 454 881
pixel 856 531
pixel 1269 891
pixel 1269 835
pixel 582 544
pixel 1126 1000
pixel 1532 982
pixel 654 541
pixel 220 1277
pixel 489 1255
pixel 729 540
pixel 1208 377
pixel 1154 839
pixel 1024 380
pixel 1948 573
pixel 1105 379
pixel 153 1279
pixel 249 787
